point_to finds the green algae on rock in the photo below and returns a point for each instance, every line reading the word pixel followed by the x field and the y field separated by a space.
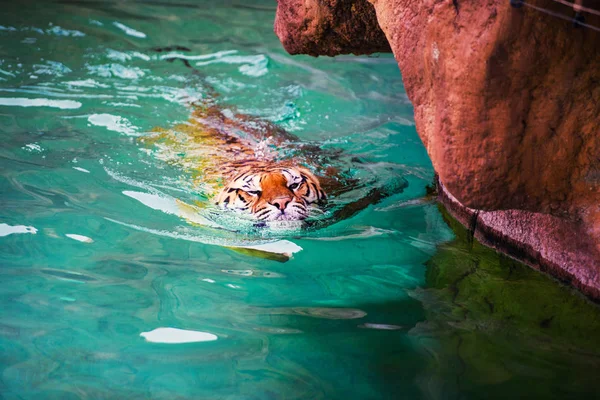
pixel 501 323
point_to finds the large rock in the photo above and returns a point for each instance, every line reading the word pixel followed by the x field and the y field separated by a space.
pixel 329 27
pixel 507 103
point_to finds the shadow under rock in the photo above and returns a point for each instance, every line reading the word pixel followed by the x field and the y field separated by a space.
pixel 500 329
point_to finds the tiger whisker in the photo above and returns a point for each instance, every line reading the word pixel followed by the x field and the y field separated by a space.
pixel 316 211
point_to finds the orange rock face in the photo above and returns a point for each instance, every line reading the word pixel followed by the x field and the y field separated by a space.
pixel 507 103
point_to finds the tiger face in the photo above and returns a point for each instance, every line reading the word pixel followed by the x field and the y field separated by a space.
pixel 273 194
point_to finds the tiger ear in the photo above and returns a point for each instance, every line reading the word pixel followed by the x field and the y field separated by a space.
pixel 321 196
pixel 224 196
pixel 308 174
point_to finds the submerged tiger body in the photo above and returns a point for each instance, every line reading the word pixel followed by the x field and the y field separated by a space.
pixel 258 169
pixel 240 173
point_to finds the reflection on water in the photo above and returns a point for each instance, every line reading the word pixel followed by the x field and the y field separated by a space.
pixel 176 336
pixel 106 257
pixel 502 324
pixel 320 312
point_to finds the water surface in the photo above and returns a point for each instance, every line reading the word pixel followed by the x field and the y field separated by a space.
pixel 391 303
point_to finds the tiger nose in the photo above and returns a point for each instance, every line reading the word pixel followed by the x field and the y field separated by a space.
pixel 281 202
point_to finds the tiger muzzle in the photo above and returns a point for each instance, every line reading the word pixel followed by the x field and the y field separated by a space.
pixel 281 202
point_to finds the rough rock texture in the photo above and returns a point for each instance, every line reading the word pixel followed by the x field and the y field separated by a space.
pixel 329 27
pixel 507 103
pixel 548 243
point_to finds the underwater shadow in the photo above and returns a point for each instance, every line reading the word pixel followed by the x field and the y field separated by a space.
pixel 483 326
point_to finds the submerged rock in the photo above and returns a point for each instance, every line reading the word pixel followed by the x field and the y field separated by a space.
pixel 493 321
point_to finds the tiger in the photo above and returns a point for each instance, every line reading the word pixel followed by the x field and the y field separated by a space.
pixel 272 192
pixel 242 164
pixel 241 173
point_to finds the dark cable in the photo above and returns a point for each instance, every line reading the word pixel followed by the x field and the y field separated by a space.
pixel 579 8
pixel 561 16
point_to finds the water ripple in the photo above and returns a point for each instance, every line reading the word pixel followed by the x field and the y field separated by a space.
pixel 24 102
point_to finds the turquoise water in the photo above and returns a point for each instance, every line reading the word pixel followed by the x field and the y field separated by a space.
pixel 391 303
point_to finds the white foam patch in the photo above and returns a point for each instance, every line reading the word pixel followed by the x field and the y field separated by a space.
pixel 365 233
pixel 7 73
pixel 174 336
pixel 284 247
pixel 51 68
pixel 218 54
pixel 128 181
pixel 124 105
pixel 123 57
pixel 33 147
pixel 6 229
pixel 118 55
pixel 118 70
pixel 23 102
pixel 140 55
pixel 58 31
pixel 114 123
pixel 89 83
pixel 79 238
pixel 129 31
pixel 256 69
pixel 168 205
pixel 153 201
pixel 81 169
pixel 254 66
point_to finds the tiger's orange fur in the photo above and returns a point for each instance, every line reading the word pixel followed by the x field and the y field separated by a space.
pixel 240 173
pixel 273 192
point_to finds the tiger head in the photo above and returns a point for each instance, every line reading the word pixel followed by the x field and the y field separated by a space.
pixel 273 194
